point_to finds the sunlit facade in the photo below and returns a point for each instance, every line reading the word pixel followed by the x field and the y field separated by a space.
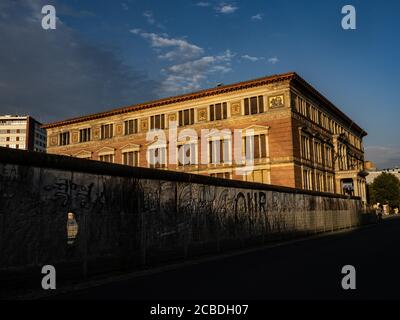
pixel 299 138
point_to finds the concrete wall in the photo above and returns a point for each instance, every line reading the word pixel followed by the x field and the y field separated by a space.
pixel 131 217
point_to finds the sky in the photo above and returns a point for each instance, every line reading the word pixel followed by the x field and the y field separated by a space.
pixel 108 54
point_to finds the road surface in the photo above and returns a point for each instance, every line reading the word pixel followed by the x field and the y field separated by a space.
pixel 308 269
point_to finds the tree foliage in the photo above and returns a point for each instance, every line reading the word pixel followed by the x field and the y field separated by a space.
pixel 385 189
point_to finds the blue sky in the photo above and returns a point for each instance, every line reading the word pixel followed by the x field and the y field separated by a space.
pixel 105 54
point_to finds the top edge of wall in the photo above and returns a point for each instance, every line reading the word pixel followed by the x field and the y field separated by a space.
pixel 65 163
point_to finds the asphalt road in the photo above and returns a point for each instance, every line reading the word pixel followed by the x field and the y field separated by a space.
pixel 303 270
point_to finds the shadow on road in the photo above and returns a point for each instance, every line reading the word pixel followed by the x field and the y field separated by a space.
pixel 302 270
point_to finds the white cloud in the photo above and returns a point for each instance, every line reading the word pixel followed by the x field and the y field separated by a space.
pixel 200 65
pixel 203 4
pixel 189 76
pixel 149 17
pixel 181 49
pixel 226 8
pixel 152 20
pixel 124 6
pixel 135 31
pixel 175 84
pixel 221 8
pixel 273 60
pixel 221 69
pixel 191 68
pixel 251 58
pixel 257 17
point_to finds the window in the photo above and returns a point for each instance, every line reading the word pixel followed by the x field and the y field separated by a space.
pixel 318 152
pixel 223 175
pixel 157 122
pixel 131 158
pixel 186 117
pixel 107 131
pixel 157 157
pixel 342 157
pixel 254 105
pixel 328 156
pixel 218 111
pixel 84 135
pixel 131 126
pixel 303 108
pixel 307 179
pixel 259 176
pixel 297 103
pixel 308 110
pixel 305 147
pixel 255 147
pixel 187 154
pixel 64 138
pixel 107 158
pixel 219 151
pixel 320 182
pixel 319 117
pixel 329 183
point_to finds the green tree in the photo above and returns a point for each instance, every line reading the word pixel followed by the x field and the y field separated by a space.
pixel 371 196
pixel 385 189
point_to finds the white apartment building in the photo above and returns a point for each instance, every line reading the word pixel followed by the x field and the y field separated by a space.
pixel 373 174
pixel 22 132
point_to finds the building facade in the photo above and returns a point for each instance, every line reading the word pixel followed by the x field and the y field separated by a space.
pixel 298 138
pixel 22 132
pixel 374 173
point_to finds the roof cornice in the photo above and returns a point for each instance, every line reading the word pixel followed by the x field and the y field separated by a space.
pixel 292 77
pixel 181 98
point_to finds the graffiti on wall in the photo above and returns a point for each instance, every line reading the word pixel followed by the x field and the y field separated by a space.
pixel 116 214
pixel 203 212
pixel 9 177
pixel 65 190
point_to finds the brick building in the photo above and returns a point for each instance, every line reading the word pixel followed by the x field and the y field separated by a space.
pixel 299 138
